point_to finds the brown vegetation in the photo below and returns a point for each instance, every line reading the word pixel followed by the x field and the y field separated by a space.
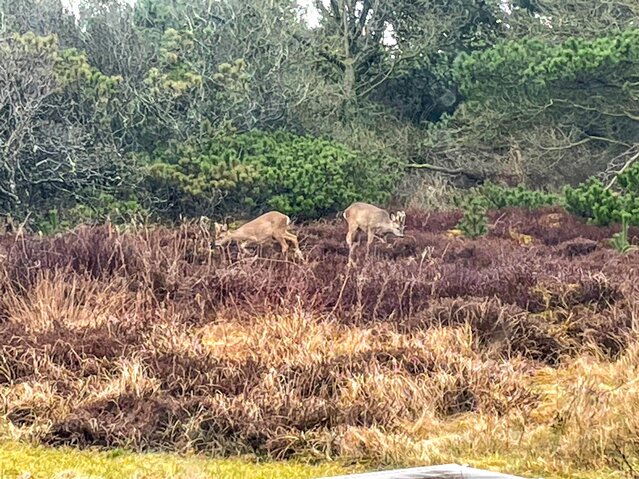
pixel 428 349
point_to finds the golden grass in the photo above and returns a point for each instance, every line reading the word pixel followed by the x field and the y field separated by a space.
pixel 583 417
pixel 584 414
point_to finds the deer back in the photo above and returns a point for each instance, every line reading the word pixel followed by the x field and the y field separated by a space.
pixel 366 216
pixel 262 227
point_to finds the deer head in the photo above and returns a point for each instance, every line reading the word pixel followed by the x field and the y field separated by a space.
pixel 398 223
pixel 221 232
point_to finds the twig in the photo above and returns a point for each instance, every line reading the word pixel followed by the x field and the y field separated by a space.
pixel 447 171
pixel 623 168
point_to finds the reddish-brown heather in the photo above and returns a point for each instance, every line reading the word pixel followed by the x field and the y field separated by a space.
pixel 147 339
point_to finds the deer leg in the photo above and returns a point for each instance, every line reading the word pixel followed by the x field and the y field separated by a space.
pixel 293 239
pixel 370 236
pixel 381 239
pixel 352 232
pixel 283 244
pixel 349 238
pixel 243 249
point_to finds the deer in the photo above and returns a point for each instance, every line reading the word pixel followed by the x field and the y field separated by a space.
pixel 376 222
pixel 269 226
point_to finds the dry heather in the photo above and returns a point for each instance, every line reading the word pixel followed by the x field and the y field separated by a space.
pixel 432 349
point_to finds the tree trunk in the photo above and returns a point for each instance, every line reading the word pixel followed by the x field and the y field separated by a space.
pixel 348 61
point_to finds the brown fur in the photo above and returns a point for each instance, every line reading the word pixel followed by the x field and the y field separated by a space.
pixel 374 221
pixel 271 226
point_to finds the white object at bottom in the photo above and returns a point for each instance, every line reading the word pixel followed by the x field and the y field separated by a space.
pixel 445 471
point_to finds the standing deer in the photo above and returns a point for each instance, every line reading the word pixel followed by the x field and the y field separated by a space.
pixel 270 226
pixel 375 221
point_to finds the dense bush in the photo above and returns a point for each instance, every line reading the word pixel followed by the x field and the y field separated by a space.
pixel 473 223
pixel 98 209
pixel 255 171
pixel 591 199
pixel 55 118
pixel 538 92
pixel 619 241
pixel 603 206
pixel 501 197
pixel 497 197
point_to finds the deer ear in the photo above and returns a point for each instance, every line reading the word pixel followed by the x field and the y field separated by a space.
pixel 393 217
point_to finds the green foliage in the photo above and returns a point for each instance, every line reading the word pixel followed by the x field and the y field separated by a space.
pixel 501 197
pixel 255 171
pixel 107 206
pixel 50 223
pixel 473 223
pixel 593 201
pixel 571 106
pixel 171 82
pixel 99 93
pixel 93 211
pixel 603 206
pixel 175 77
pixel 628 180
pixel 185 92
pixel 496 197
pixel 534 63
pixel 56 140
pixel 619 240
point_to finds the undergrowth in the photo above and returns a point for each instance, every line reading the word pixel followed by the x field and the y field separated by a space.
pixel 430 350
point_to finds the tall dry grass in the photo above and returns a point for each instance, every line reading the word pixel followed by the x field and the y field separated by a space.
pixel 431 349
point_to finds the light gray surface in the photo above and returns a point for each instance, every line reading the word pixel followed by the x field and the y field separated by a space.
pixel 445 471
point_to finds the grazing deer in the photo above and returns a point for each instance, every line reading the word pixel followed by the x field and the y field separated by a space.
pixel 270 226
pixel 375 221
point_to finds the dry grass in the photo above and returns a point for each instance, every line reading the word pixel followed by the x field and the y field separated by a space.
pixel 431 192
pixel 432 350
